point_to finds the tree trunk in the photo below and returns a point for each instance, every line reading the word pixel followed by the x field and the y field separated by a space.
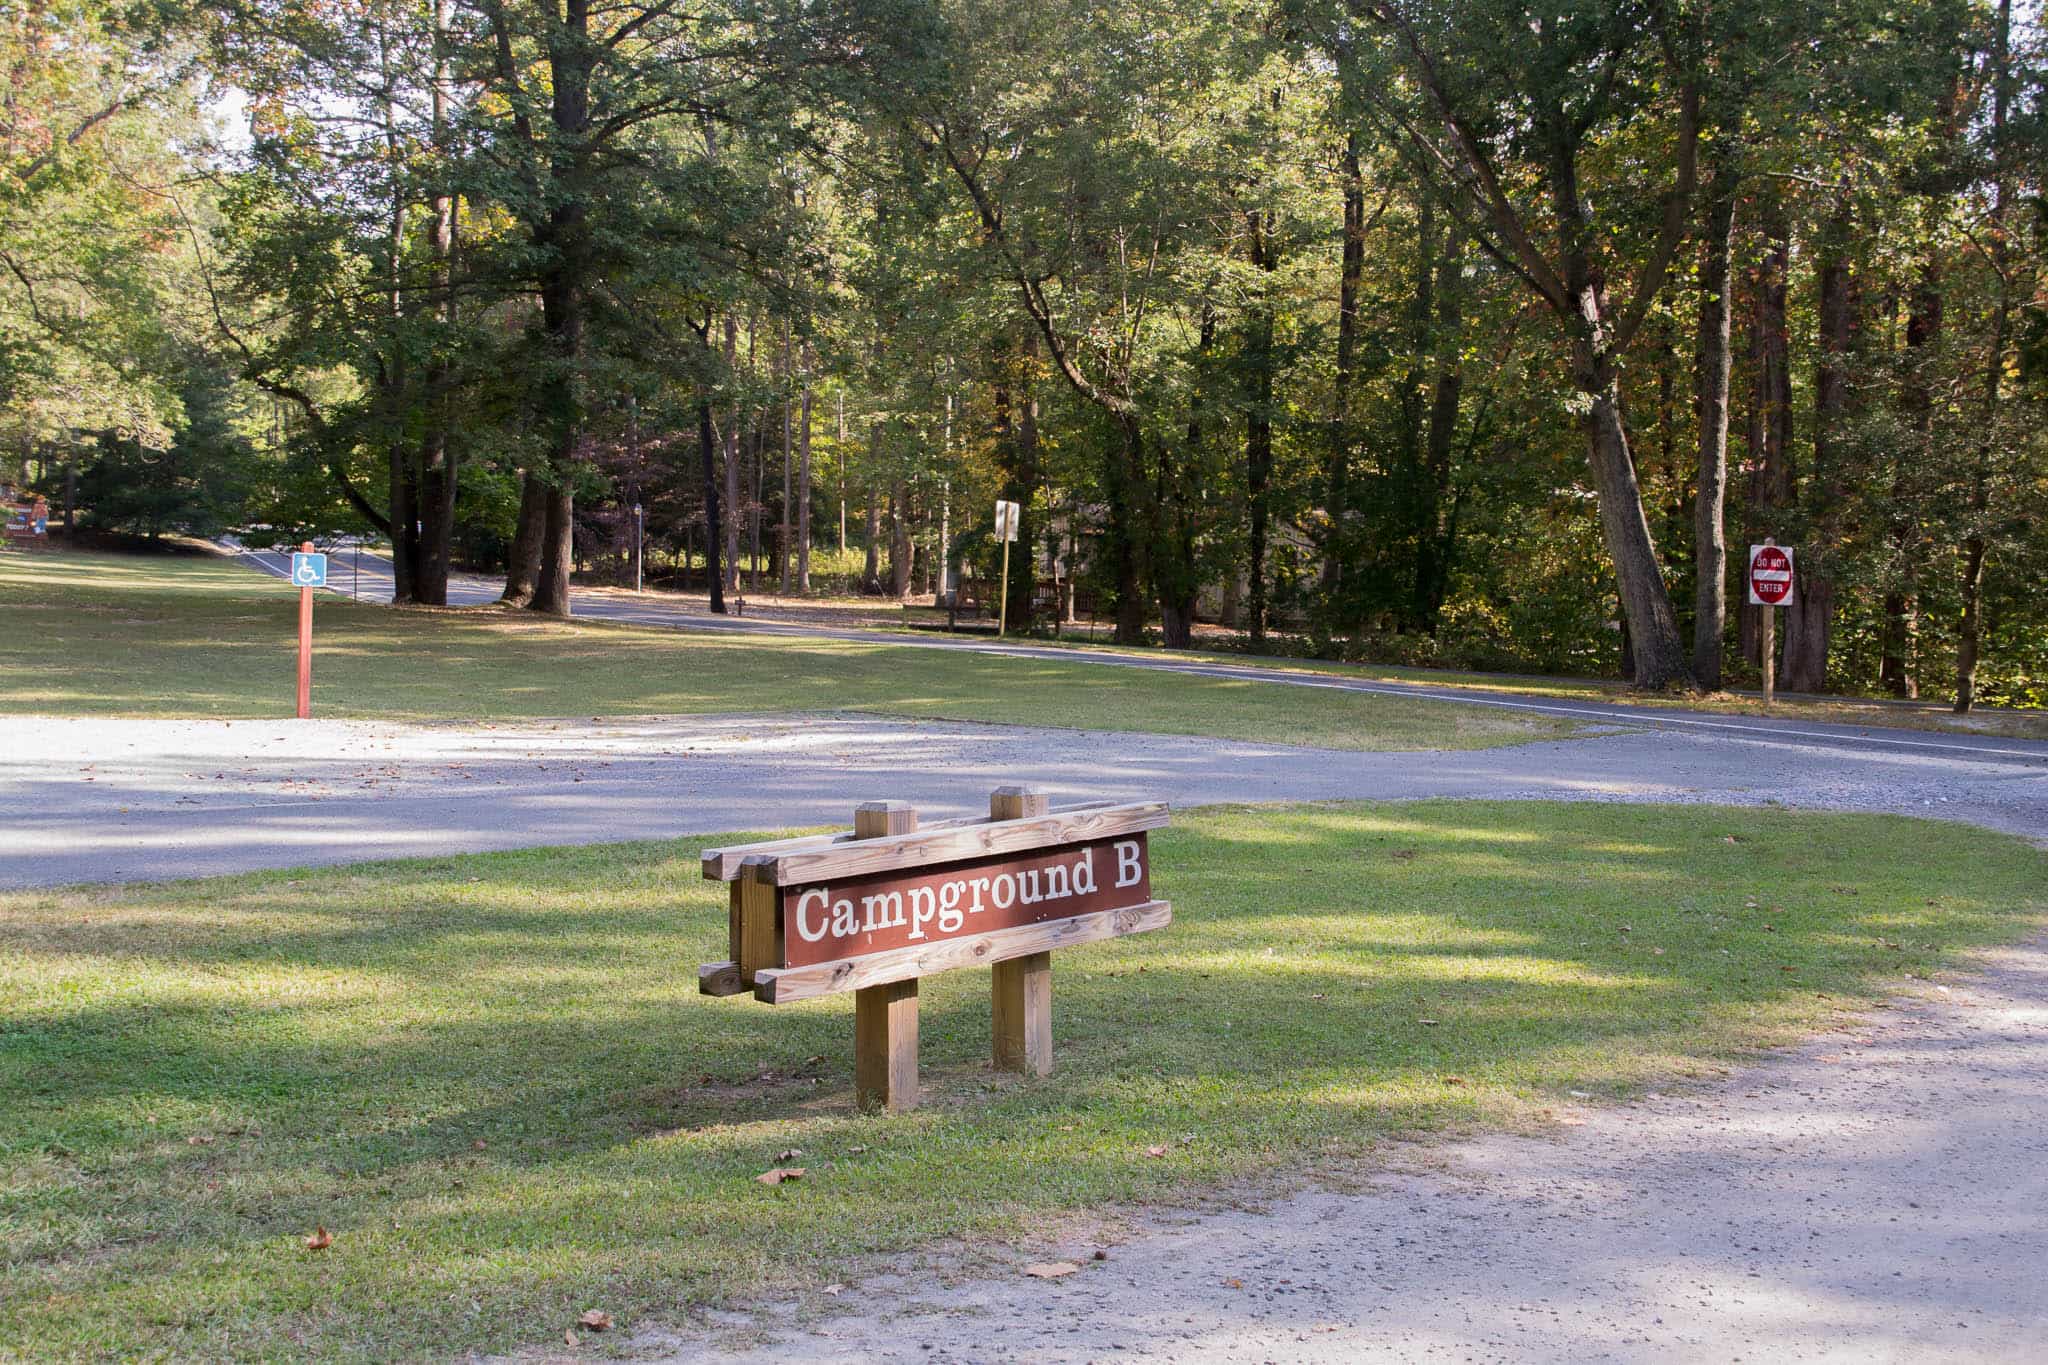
pixel 1125 473
pixel 1657 649
pixel 1436 526
pixel 1711 368
pixel 1970 641
pixel 733 511
pixel 1901 603
pixel 522 556
pixel 1337 458
pixel 707 443
pixel 871 568
pixel 899 541
pixel 1809 620
pixel 437 455
pixel 1258 420
pixel 551 591
pixel 782 545
pixel 803 497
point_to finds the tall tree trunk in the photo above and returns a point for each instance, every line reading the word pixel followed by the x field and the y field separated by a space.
pixel 782 545
pixel 871 569
pixel 1337 458
pixel 707 444
pixel 558 554
pixel 1809 620
pixel 733 510
pixel 1258 417
pixel 899 541
pixel 522 556
pixel 1657 649
pixel 1436 525
pixel 438 481
pixel 1711 368
pixel 1970 641
pixel 1924 324
pixel 803 496
pixel 563 240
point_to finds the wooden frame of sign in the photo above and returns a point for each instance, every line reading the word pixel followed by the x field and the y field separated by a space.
pixel 875 910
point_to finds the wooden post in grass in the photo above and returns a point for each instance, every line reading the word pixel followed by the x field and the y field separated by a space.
pixel 885 1017
pixel 1021 1000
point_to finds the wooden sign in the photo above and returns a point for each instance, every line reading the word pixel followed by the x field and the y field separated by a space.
pixel 874 911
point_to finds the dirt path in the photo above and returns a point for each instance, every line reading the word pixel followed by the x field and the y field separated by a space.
pixel 1878 1195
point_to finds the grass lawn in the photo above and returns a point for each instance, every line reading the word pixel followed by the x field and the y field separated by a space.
pixel 95 634
pixel 492 1080
pixel 2005 722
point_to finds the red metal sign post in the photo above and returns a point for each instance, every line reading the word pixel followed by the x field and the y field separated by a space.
pixel 305 644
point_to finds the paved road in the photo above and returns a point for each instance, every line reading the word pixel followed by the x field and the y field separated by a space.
pixel 95 799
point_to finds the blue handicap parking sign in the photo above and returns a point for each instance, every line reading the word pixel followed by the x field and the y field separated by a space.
pixel 309 570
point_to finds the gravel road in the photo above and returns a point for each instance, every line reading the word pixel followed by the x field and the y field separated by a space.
pixel 1876 1196
pixel 94 799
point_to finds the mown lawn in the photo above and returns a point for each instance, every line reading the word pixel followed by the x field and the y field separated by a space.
pixel 492 1081
pixel 95 634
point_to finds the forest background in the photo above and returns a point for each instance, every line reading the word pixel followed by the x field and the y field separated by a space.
pixel 1483 334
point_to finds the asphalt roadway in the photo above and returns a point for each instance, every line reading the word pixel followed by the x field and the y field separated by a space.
pixel 94 799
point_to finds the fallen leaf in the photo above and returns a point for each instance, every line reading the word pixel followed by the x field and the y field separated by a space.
pixel 1050 1270
pixel 1155 1151
pixel 780 1174
pixel 479 1144
pixel 835 1289
pixel 856 1150
pixel 199 1140
pixel 596 1319
pixel 1431 1023
pixel 320 1240
pixel 569 1337
pixel 1233 1284
pixel 791 1155
pixel 1454 1080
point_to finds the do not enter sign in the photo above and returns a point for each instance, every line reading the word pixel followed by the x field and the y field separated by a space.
pixel 1770 575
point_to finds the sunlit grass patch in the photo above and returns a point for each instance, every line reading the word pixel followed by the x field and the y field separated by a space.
pixel 492 1079
pixel 192 636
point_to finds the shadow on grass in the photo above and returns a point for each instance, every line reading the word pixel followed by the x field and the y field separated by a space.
pixel 506 1089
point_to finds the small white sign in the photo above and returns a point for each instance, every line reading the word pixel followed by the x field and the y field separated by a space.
pixel 1770 575
pixel 1006 520
pixel 309 570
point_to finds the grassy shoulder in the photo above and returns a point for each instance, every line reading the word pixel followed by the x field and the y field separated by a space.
pixel 491 1078
pixel 2004 722
pixel 91 634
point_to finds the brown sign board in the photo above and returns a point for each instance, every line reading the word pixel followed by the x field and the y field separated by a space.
pixel 854 917
pixel 875 910
pixel 819 914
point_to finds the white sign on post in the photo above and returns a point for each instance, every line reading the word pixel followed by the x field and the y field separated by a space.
pixel 1770 575
pixel 1006 520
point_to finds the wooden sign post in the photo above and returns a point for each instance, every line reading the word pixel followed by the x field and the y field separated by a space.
pixel 1770 587
pixel 874 911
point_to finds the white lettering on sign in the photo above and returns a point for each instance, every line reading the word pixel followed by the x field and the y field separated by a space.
pixel 803 906
pixel 819 915
pixel 1130 865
